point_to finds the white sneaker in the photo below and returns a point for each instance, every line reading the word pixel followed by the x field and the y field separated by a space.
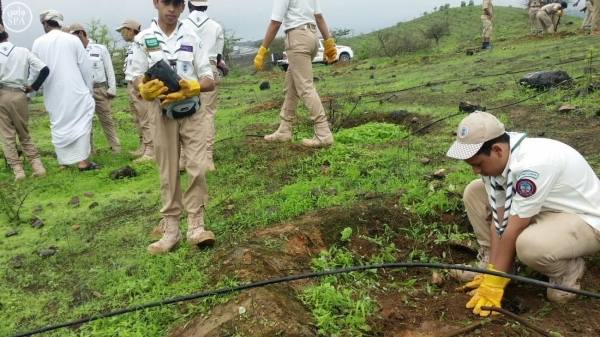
pixel 571 278
pixel 483 259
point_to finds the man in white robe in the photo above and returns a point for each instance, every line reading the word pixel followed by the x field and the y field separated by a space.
pixel 67 92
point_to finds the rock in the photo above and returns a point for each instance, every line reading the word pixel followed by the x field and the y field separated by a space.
pixel 436 279
pixel 47 252
pixel 316 79
pixel 36 223
pixel 424 161
pixel 123 172
pixel 230 207
pixel 544 79
pixel 265 86
pixel 75 227
pixel 88 194
pixel 331 191
pixel 400 192
pixel 393 76
pixel 315 192
pixel 474 89
pixel 565 98
pixel 74 202
pixel 272 210
pixel 398 114
pixel 371 195
pixel 467 106
pixel 414 120
pixel 372 76
pixel 372 67
pixel 131 270
pixel 469 52
pixel 439 173
pixel 93 205
pixel 566 108
pixel 359 193
pixel 37 208
pixel 598 113
pixel 16 261
pixel 436 89
pixel 11 233
pixel 588 70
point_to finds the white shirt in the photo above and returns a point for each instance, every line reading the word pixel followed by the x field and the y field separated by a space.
pixel 102 66
pixel 127 69
pixel 294 13
pixel 15 63
pixel 210 32
pixel 183 47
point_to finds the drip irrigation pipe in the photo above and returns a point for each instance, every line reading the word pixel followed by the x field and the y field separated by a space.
pixel 307 276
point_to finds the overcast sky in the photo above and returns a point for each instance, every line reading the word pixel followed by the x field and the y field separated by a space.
pixel 247 19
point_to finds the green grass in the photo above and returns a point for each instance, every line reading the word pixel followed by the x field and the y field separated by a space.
pixel 103 266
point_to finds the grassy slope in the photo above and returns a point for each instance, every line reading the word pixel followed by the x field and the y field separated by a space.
pixel 103 265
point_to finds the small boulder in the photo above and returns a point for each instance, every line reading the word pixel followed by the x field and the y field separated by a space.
pixel 11 233
pixel 474 89
pixel 88 194
pixel 424 161
pixel 123 172
pixel 36 223
pixel 37 208
pixel 467 106
pixel 93 205
pixel 544 79
pixel 566 108
pixel 265 86
pixel 74 202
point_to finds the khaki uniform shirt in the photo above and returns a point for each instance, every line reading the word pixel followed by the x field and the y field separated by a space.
pixel 487 4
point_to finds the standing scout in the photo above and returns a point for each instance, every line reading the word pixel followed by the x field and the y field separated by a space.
pixel 180 121
pixel 104 75
pixel 534 8
pixel 486 19
pixel 14 112
pixel 300 20
pixel 544 199
pixel 546 14
pixel 589 10
pixel 213 39
pixel 140 108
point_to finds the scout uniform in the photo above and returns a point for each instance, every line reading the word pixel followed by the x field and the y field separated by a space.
pixel 534 8
pixel 551 183
pixel 486 19
pixel 183 51
pixel 104 75
pixel 545 17
pixel 15 63
pixel 140 108
pixel 213 39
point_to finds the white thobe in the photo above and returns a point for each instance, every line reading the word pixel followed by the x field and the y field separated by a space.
pixel 67 93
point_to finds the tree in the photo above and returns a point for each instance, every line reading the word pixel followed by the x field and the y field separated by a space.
pixel 100 33
pixel 336 33
pixel 436 31
pixel 230 41
pixel 463 4
pixel 471 3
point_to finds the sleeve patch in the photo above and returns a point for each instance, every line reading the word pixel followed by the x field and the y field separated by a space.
pixel 526 188
pixel 528 174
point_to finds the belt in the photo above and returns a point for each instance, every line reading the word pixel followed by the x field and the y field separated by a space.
pixel 5 88
pixel 303 27
pixel 100 85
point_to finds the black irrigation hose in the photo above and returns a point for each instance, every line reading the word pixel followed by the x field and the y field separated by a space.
pixel 306 276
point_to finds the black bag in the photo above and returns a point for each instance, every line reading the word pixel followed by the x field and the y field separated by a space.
pixel 164 73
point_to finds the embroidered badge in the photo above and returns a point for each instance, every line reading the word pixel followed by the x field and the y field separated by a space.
pixel 186 48
pixel 95 55
pixel 152 44
pixel 526 188
pixel 184 67
pixel 528 174
pixel 463 132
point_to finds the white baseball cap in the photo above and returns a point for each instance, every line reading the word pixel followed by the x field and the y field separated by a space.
pixel 474 130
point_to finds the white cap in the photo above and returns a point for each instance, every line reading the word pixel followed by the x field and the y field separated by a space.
pixel 474 130
pixel 199 2
pixel 51 14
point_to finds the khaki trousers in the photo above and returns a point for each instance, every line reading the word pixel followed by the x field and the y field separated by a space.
pixel 105 117
pixel 170 137
pixel 550 241
pixel 589 10
pixel 533 22
pixel 209 105
pixel 141 114
pixel 487 26
pixel 14 121
pixel 595 15
pixel 301 46
pixel 545 22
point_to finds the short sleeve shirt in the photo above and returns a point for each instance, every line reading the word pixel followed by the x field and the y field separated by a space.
pixel 294 13
pixel 487 4
pixel 551 176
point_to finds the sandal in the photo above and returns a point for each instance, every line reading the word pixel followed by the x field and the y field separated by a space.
pixel 63 167
pixel 90 166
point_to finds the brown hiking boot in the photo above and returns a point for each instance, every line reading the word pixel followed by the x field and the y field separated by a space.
pixel 283 133
pixel 571 278
pixel 196 235
pixel 140 150
pixel 322 138
pixel 18 171
pixel 169 225
pixel 210 164
pixel 148 154
pixel 38 168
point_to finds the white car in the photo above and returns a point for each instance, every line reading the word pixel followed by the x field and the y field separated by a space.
pixel 344 54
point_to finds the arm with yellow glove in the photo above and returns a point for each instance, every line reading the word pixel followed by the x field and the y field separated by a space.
pixel 151 90
pixel 189 89
pixel 329 52
pixel 488 294
pixel 260 58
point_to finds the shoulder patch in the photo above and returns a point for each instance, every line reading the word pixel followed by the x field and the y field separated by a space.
pixel 151 42
pixel 528 174
pixel 526 188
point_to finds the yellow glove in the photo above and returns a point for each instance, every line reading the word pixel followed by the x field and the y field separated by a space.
pixel 150 90
pixel 188 89
pixel 330 52
pixel 560 13
pixel 477 281
pixel 489 294
pixel 260 57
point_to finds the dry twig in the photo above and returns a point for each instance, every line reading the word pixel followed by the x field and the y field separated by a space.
pixel 518 319
pixel 465 330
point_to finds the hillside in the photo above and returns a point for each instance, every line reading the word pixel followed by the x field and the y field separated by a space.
pixel 383 192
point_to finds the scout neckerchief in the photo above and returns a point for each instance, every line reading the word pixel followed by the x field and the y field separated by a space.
pixel 509 182
pixel 200 25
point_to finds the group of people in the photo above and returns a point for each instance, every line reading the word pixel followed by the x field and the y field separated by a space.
pixel 175 122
